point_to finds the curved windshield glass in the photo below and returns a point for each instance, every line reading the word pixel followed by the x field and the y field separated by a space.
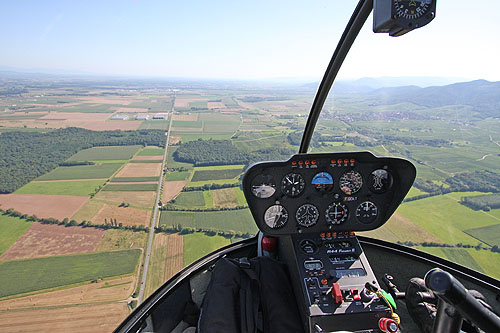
pixel 126 127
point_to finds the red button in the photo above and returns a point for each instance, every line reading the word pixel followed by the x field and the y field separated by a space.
pixel 336 293
pixel 324 281
pixel 355 294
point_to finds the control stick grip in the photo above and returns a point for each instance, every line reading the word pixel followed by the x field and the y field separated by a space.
pixel 450 290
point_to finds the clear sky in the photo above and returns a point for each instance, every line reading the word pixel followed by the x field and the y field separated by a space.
pixel 241 39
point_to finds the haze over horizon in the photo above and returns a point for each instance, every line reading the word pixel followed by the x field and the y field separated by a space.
pixel 232 40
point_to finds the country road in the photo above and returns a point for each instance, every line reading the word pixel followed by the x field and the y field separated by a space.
pixel 155 214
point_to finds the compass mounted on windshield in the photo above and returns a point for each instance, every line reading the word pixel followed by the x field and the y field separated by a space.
pixel 398 17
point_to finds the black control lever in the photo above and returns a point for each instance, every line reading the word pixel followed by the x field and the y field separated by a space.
pixel 396 294
pixel 451 291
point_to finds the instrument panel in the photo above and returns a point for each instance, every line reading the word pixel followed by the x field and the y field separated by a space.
pixel 326 192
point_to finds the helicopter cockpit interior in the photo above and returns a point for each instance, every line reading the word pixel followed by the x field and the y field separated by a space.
pixel 308 210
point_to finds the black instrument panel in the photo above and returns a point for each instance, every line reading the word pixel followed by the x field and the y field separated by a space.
pixel 326 192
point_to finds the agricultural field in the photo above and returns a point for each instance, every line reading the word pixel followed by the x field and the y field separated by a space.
pixel 105 153
pixel 75 188
pixel 140 170
pixel 12 228
pixel 98 171
pixel 151 151
pixel 489 234
pixel 128 216
pixel 28 275
pixel 197 245
pixel 171 189
pixel 225 197
pixel 144 199
pixel 205 174
pixel 42 240
pixel 134 179
pixel 130 187
pixel 114 239
pixel 236 220
pixel 177 175
pixel 194 199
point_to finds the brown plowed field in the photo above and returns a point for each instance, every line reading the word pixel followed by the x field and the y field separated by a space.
pixel 76 116
pixel 185 117
pixel 42 240
pixel 43 205
pixel 172 189
pixel 130 183
pixel 175 255
pixel 216 105
pixel 88 318
pixel 125 215
pixel 140 170
pixel 141 199
pixel 99 125
pixel 103 291
pixel 148 158
pixel 174 140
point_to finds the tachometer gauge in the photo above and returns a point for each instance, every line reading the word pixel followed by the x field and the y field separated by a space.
pixel 351 182
pixel 380 181
pixel 276 216
pixel 323 182
pixel 307 215
pixel 411 9
pixel 293 184
pixel 336 213
pixel 263 186
pixel 367 212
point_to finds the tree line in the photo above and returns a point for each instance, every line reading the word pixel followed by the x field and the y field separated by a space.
pixel 25 156
pixel 172 229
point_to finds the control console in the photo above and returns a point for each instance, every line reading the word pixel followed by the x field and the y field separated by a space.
pixel 333 271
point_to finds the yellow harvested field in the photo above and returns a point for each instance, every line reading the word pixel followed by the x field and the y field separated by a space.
pixel 75 116
pixel 102 291
pixel 185 117
pixel 172 189
pixel 106 100
pixel 216 105
pixel 43 240
pixel 141 199
pixel 174 140
pixel 82 319
pixel 148 158
pixel 43 205
pixel 125 110
pixel 126 215
pixel 183 102
pixel 140 170
pixel 95 125
pixel 225 198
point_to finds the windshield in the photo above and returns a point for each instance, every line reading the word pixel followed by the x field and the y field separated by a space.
pixel 126 127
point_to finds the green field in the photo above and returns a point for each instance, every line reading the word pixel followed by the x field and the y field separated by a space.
pixel 23 276
pixel 146 161
pixel 105 153
pixel 134 179
pixel 11 229
pixel 171 163
pixel 104 170
pixel 445 218
pixel 176 175
pixel 193 199
pixel 151 151
pixel 154 124
pixel 242 201
pixel 237 220
pixel 78 188
pixel 198 244
pixel 489 234
pixel 193 137
pixel 204 175
pixel 187 124
pixel 414 192
pixel 209 182
pixel 130 187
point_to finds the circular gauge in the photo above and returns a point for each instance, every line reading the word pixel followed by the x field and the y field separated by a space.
pixel 293 184
pixel 307 215
pixel 411 9
pixel 276 216
pixel 323 182
pixel 380 181
pixel 351 182
pixel 336 213
pixel 367 212
pixel 263 186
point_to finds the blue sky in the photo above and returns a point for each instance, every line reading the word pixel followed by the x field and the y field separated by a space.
pixel 241 39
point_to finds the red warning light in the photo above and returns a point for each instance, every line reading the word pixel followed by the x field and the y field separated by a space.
pixel 339 161
pixel 313 162
pixel 333 161
pixel 300 162
pixel 294 163
pixel 346 161
pixel 307 162
pixel 353 160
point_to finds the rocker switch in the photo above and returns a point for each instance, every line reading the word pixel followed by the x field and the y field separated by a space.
pixel 336 293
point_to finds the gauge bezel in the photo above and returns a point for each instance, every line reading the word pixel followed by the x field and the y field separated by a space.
pixel 329 221
pixel 372 218
pixel 302 181
pixel 315 219
pixel 351 192
pixel 281 225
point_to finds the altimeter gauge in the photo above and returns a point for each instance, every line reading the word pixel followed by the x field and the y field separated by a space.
pixel 276 216
pixel 293 184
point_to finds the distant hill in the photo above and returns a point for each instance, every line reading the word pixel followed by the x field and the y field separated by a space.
pixel 483 96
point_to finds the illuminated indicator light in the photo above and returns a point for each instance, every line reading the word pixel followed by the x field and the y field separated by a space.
pixel 333 161
pixel 353 160
pixel 313 162
pixel 328 235
pixel 322 235
pixel 346 161
pixel 307 162
pixel 339 161
pixel 300 162
pixel 294 163
pixel 324 281
pixel 334 234
pixel 351 233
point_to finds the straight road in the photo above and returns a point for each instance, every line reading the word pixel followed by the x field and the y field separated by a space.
pixel 155 214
